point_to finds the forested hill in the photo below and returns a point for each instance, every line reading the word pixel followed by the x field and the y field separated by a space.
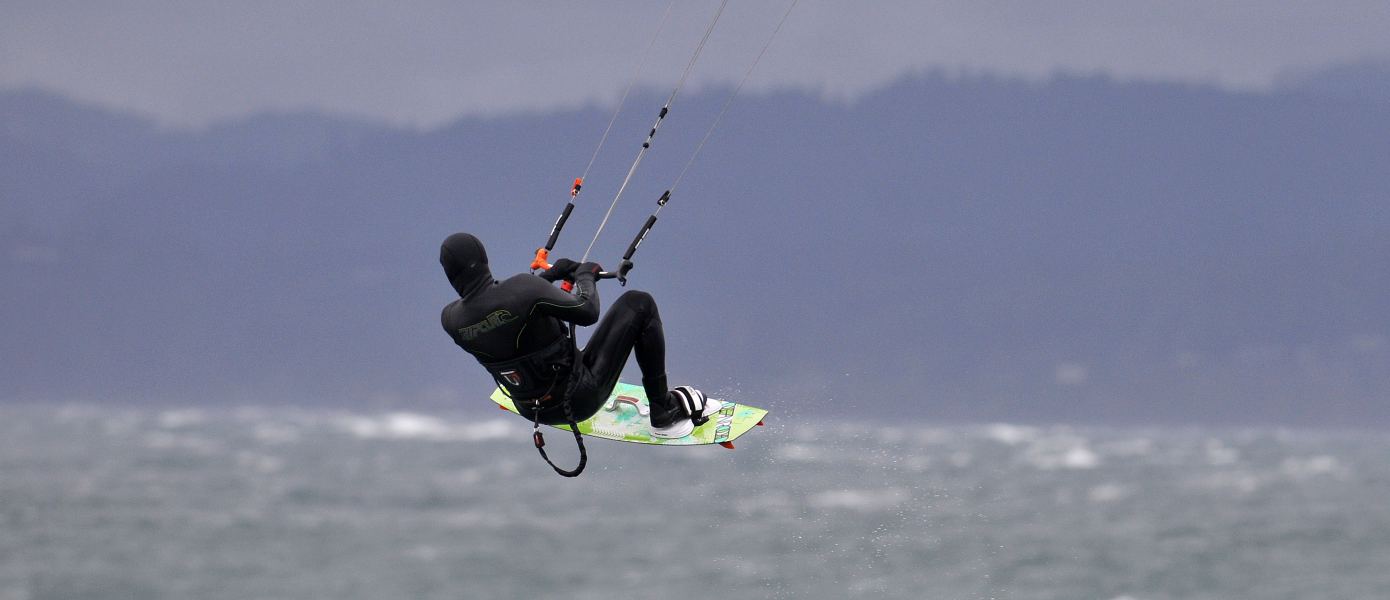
pixel 947 248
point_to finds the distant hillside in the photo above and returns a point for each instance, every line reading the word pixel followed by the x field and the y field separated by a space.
pixel 959 249
pixel 1365 80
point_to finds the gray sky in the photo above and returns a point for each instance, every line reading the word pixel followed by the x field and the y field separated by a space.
pixel 188 62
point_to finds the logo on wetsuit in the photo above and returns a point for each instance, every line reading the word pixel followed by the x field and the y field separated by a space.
pixel 494 320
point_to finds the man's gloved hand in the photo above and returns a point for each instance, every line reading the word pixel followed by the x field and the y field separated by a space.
pixel 560 269
pixel 588 269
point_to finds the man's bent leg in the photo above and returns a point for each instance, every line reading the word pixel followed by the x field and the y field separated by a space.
pixel 632 324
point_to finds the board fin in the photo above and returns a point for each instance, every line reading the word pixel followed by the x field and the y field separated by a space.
pixel 729 445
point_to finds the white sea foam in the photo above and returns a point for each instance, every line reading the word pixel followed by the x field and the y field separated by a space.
pixel 869 500
pixel 869 586
pixel 474 519
pixel 70 413
pixel 160 440
pixel 1240 481
pixel 773 502
pixel 806 432
pixel 413 426
pixel 274 433
pixel 184 417
pixel 122 424
pixel 1011 435
pixel 892 435
pixel 1219 454
pixel 917 463
pixel 1298 468
pixel 1132 447
pixel 798 453
pixel 1107 492
pixel 259 463
pixel 933 436
pixel 1061 452
pixel 424 552
pixel 960 459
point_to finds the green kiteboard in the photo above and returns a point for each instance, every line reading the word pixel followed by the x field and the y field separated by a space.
pixel 624 417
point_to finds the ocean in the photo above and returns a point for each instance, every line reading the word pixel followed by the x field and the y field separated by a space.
pixel 118 503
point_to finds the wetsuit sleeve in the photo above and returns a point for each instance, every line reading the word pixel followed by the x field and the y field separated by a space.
pixel 580 308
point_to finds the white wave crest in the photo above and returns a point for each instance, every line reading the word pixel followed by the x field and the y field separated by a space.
pixel 1011 435
pixel 859 500
pixel 1298 468
pixel 1063 452
pixel 798 453
pixel 413 426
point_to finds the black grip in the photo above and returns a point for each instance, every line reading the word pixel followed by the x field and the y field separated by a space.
pixel 637 241
pixel 559 224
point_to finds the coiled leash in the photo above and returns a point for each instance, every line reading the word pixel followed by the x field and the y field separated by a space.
pixel 569 417
pixel 539 439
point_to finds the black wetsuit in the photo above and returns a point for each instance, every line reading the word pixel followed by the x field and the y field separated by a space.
pixel 518 330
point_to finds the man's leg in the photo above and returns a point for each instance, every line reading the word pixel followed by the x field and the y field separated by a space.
pixel 632 324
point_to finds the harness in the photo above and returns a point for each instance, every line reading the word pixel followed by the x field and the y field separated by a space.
pixel 534 376
pixel 532 379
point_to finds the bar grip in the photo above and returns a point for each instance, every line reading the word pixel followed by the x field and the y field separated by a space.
pixel 559 224
pixel 641 235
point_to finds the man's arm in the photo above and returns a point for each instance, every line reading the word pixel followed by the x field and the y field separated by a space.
pixel 580 307
pixel 448 322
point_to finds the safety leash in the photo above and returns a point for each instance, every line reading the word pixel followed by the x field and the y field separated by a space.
pixel 539 439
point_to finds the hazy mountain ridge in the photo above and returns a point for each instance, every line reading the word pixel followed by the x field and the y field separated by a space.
pixel 1366 80
pixel 981 248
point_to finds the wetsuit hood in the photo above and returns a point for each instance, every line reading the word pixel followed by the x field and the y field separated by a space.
pixel 465 263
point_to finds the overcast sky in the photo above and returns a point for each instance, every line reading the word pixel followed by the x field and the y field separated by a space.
pixel 189 62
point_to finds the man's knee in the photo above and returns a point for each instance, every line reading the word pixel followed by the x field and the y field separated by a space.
pixel 638 300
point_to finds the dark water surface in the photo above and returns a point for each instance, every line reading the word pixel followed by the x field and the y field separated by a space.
pixel 115 503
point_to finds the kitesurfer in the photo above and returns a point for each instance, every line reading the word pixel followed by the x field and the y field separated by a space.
pixel 517 329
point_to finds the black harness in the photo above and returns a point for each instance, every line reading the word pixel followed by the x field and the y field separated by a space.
pixel 533 379
pixel 535 376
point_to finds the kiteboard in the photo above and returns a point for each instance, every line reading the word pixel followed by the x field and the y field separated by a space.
pixel 624 417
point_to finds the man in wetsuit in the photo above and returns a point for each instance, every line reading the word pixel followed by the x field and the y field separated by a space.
pixel 518 329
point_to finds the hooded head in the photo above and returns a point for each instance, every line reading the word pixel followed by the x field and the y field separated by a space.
pixel 465 263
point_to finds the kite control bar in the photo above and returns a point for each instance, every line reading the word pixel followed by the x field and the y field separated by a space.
pixel 569 286
pixel 541 261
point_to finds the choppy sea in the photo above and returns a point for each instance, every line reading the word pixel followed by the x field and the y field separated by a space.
pixel 282 503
